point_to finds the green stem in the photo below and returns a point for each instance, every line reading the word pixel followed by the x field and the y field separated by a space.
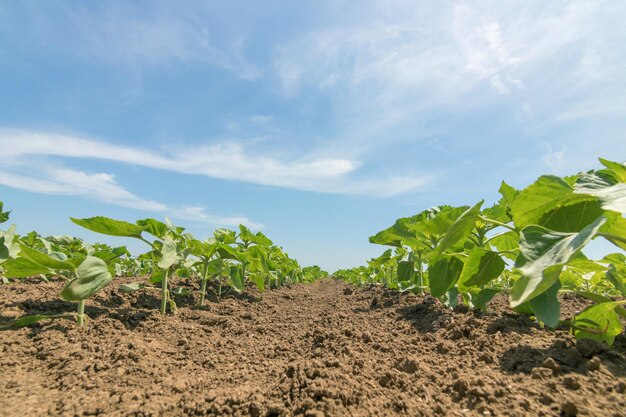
pixel 243 276
pixel 165 294
pixel 611 236
pixel 420 276
pixel 204 281
pixel 219 285
pixel 147 241
pixel 485 219
pixel 81 313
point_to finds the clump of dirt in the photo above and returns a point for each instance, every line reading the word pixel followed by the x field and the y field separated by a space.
pixel 323 349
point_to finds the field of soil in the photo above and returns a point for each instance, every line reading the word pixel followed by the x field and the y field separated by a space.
pixel 323 349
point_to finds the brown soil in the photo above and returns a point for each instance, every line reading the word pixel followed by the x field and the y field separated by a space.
pixel 323 349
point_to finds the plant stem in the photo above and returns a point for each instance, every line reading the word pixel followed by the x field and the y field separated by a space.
pixel 204 281
pixel 485 219
pixel 165 294
pixel 243 276
pixel 611 236
pixel 81 313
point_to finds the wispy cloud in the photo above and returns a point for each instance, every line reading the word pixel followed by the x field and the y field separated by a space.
pixel 384 72
pixel 120 34
pixel 229 161
pixel 102 187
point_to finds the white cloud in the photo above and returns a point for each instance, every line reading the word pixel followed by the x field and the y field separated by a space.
pixel 401 61
pixel 230 161
pixel 104 188
pixel 127 36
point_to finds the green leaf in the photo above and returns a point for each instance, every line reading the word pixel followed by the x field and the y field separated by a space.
pixel 132 287
pixel 616 278
pixel 109 256
pixel 110 227
pixel 618 169
pixel 506 242
pixel 169 254
pixel 24 321
pixel 235 279
pixel 157 276
pixel 259 281
pixel 599 322
pixel 443 274
pixel 91 276
pixel 459 230
pixel 397 235
pixel 181 291
pixel 551 202
pixel 543 254
pixel 614 230
pixel 546 306
pixel 23 268
pixel 479 298
pixel 611 193
pixel 154 227
pixel 46 260
pixel 406 271
pixel 481 266
pixel 4 215
pixel 451 298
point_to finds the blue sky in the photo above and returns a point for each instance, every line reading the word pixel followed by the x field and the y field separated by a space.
pixel 318 122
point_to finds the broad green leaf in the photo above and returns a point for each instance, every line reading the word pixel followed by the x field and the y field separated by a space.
pixel 451 298
pixel 506 242
pixel 4 215
pixel 435 221
pixel 155 227
pixel 546 306
pixel 616 277
pixel 618 169
pixel 611 193
pixel 10 243
pixel 543 254
pixel 235 279
pixel 509 194
pixel 481 266
pixel 25 321
pixel 169 255
pixel 398 235
pixel 599 322
pixel 459 230
pixel 598 299
pixel 132 287
pixel 479 298
pixel 110 227
pixel 23 268
pixel 614 230
pixel 46 260
pixel 443 274
pixel 91 276
pixel 157 276
pixel 551 202
pixel 259 281
pixel 227 252
pixel 406 271
pixel 109 256
pixel 181 291
pixel 225 236
pixel 381 260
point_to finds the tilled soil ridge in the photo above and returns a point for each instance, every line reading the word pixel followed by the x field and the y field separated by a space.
pixel 324 349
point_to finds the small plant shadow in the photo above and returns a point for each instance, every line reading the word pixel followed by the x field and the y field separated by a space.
pixel 421 315
pixel 512 323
